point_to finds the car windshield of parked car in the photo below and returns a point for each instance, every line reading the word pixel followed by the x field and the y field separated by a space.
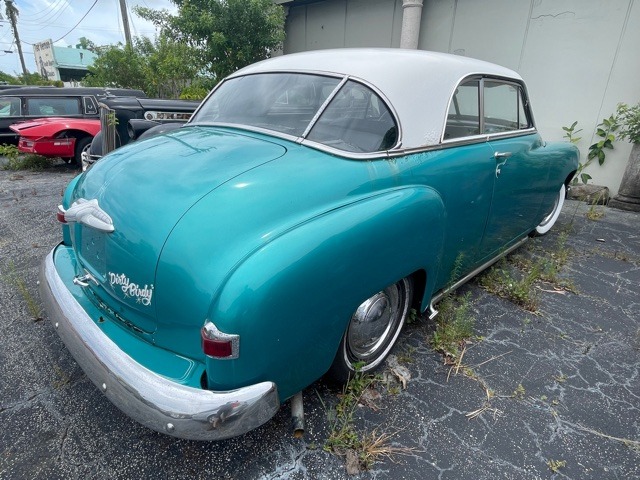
pixel 356 119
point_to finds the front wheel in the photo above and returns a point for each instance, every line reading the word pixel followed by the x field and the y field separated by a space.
pixel 550 219
pixel 372 331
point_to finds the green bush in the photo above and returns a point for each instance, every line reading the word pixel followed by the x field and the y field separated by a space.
pixel 629 120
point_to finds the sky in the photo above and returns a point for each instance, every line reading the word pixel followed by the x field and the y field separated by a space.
pixel 40 20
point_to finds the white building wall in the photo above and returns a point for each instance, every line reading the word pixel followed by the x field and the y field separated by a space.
pixel 578 57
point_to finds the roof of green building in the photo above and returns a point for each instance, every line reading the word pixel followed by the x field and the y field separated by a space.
pixel 76 58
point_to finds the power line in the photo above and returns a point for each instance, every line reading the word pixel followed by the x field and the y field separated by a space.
pixel 73 28
pixel 43 19
pixel 42 14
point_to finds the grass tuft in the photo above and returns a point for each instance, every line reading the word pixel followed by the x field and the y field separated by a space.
pixel 454 325
pixel 344 439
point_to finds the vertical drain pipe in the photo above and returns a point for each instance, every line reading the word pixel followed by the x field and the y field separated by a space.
pixel 297 415
pixel 411 17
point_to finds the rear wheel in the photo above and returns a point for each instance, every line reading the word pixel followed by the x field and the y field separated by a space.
pixel 82 145
pixel 372 331
pixel 550 219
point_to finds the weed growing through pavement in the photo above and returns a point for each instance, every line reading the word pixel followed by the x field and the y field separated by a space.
pixel 556 465
pixel 517 284
pixel 345 439
pixel 454 324
pixel 504 282
pixel 14 278
pixel 595 213
pixel 519 392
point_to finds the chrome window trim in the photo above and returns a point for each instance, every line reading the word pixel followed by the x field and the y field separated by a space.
pixel 248 128
pixel 344 154
pixel 324 106
pixel 462 141
pixel 302 138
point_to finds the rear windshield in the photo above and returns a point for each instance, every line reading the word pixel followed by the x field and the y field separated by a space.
pixel 356 120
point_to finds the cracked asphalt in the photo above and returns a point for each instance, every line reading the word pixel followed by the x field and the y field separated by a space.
pixel 564 383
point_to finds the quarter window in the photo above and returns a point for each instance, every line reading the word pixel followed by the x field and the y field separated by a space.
pixel 356 120
pixel 463 119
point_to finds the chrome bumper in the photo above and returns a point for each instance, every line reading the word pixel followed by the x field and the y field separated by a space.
pixel 148 398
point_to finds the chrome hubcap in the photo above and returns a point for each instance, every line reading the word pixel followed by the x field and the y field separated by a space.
pixel 376 322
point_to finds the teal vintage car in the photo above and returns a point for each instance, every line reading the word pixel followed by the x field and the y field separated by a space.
pixel 285 232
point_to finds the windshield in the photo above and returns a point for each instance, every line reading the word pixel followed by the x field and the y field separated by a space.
pixel 356 119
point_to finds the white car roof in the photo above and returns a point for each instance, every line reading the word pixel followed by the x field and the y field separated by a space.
pixel 417 83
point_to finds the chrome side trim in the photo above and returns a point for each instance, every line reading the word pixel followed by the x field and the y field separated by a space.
pixel 148 398
pixel 438 296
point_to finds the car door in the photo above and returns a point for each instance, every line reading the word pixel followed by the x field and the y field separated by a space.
pixel 463 173
pixel 520 173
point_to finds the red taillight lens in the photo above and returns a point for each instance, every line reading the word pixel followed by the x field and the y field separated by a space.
pixel 217 344
pixel 60 215
pixel 216 348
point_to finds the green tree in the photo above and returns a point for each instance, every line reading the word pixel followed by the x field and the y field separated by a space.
pixel 36 79
pixel 117 66
pixel 87 44
pixel 227 34
pixel 169 66
pixel 162 67
pixel 10 79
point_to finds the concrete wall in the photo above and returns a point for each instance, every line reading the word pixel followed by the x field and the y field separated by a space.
pixel 578 57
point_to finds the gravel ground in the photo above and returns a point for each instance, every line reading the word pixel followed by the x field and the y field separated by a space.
pixel 565 382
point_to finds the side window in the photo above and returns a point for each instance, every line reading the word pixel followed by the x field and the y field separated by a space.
pixel 463 119
pixel 356 120
pixel 90 107
pixel 9 107
pixel 503 109
pixel 53 106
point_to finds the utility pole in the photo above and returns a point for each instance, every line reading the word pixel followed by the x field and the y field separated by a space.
pixel 125 22
pixel 12 13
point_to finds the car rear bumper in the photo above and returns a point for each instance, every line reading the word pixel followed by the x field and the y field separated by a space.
pixel 152 400
pixel 53 147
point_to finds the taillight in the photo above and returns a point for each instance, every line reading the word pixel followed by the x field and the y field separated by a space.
pixel 60 215
pixel 217 344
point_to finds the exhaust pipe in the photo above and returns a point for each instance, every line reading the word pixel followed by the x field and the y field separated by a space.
pixel 297 415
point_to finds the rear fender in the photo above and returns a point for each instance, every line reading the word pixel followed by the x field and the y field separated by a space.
pixel 68 127
pixel 291 300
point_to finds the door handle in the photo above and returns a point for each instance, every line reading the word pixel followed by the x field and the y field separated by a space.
pixel 502 157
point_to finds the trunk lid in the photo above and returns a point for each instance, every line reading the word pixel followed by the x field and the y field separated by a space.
pixel 146 188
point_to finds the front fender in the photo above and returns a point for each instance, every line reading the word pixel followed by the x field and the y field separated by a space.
pixel 291 300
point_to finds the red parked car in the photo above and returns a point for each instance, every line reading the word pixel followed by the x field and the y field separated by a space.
pixel 57 136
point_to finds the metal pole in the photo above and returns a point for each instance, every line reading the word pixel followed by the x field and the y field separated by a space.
pixel 411 17
pixel 12 12
pixel 125 23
